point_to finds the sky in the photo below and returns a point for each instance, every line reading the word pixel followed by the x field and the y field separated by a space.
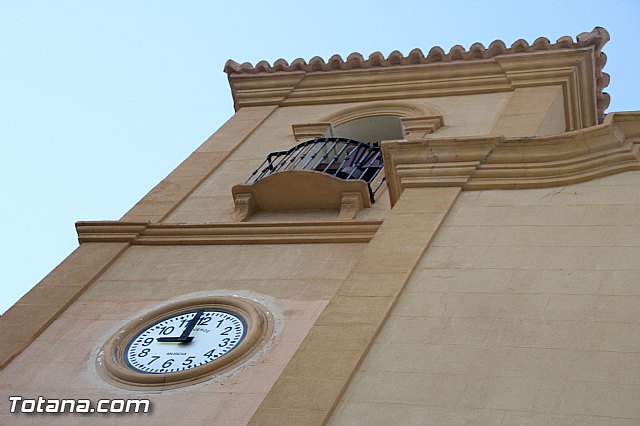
pixel 100 100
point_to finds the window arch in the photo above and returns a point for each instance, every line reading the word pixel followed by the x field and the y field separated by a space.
pixel 379 121
pixel 371 130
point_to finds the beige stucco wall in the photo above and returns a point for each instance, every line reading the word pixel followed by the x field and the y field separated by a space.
pixel 532 111
pixel 524 310
pixel 479 307
pixel 212 200
pixel 294 281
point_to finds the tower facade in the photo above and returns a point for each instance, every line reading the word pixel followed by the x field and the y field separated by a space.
pixel 429 239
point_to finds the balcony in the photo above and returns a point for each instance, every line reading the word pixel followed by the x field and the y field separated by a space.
pixel 339 157
pixel 323 173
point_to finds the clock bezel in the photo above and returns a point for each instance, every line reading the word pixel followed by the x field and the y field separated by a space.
pixel 111 361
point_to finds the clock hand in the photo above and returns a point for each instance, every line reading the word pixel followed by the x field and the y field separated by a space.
pixel 187 331
pixel 174 339
pixel 184 337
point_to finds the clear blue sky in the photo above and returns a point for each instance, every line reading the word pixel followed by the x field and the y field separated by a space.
pixel 101 100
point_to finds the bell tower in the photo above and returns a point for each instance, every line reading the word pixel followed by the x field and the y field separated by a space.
pixel 414 239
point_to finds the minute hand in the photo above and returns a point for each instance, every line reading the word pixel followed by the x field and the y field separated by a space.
pixel 184 337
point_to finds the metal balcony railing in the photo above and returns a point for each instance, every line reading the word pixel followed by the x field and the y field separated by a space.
pixel 340 157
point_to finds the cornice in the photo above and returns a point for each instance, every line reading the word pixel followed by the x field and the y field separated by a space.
pixel 495 162
pixel 460 71
pixel 142 233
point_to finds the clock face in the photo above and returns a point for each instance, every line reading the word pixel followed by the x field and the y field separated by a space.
pixel 184 341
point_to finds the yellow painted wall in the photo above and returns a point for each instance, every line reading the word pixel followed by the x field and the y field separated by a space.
pixel 525 310
pixel 295 282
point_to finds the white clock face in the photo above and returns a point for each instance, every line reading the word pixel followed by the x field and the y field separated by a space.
pixel 184 341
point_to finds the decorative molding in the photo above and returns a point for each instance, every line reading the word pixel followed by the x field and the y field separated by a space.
pixel 395 108
pixel 110 231
pixel 304 132
pixel 573 70
pixel 495 162
pixel 419 127
pixel 353 231
pixel 477 70
pixel 597 38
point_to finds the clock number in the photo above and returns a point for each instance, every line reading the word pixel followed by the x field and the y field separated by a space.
pixel 167 330
pixel 210 353
pixel 226 331
pixel 225 341
pixel 168 363
pixel 183 322
pixel 155 358
pixel 219 323
pixel 147 341
pixel 144 352
pixel 204 321
pixel 189 360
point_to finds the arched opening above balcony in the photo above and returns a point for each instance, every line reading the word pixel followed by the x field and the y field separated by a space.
pixel 379 121
pixel 371 130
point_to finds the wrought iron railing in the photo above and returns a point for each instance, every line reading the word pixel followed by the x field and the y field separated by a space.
pixel 340 157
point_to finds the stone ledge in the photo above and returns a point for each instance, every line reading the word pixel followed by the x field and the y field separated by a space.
pixel 356 231
pixel 496 162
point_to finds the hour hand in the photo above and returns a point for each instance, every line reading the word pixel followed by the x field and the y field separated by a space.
pixel 178 339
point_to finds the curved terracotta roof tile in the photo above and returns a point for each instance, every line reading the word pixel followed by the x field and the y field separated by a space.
pixel 317 64
pixel 457 53
pixel 564 42
pixel 416 57
pixel 280 65
pixel 497 47
pixel 541 43
pixel 596 38
pixel 396 58
pixel 376 59
pixel 520 46
pixel 355 60
pixel 298 64
pixel 477 51
pixel 436 54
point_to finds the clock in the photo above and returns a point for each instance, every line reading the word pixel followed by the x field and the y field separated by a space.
pixel 185 342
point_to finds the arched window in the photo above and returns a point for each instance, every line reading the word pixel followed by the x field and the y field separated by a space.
pixel 371 129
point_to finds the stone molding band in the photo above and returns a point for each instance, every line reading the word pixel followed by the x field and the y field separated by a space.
pixel 574 65
pixel 143 233
pixel 496 162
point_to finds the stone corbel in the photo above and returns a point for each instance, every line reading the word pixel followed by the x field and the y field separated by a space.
pixel 245 206
pixel 350 205
pixel 416 128
pixel 304 132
